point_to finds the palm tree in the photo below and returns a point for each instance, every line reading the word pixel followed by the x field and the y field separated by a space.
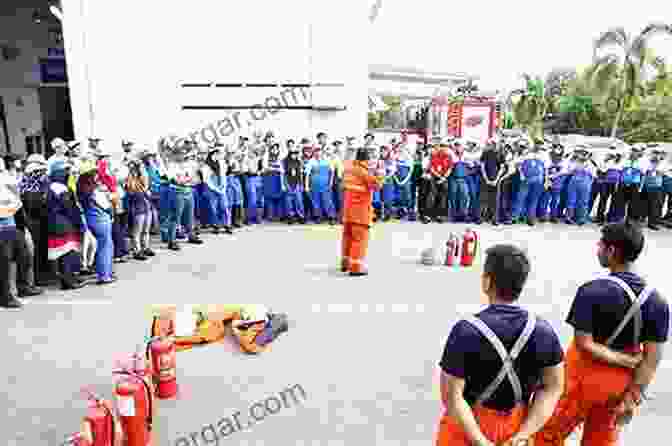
pixel 622 73
pixel 530 108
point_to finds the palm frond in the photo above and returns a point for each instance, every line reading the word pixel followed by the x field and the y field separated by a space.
pixel 602 77
pixel 614 36
pixel 638 47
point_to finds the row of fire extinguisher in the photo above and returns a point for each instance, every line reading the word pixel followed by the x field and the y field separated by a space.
pixel 461 251
pixel 148 375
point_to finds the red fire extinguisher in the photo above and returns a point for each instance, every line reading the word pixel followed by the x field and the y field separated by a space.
pixel 100 426
pixel 135 403
pixel 452 250
pixel 469 247
pixel 161 353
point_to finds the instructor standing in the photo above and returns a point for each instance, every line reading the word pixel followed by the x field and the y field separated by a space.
pixel 358 187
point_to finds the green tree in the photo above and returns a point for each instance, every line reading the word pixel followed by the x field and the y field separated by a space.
pixel 621 74
pixel 529 106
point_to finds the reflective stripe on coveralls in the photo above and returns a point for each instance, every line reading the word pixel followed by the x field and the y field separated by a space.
pixel 497 426
pixel 594 388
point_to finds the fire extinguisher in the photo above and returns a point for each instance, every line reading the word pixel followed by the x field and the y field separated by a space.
pixel 100 426
pixel 452 250
pixel 161 352
pixel 135 402
pixel 469 247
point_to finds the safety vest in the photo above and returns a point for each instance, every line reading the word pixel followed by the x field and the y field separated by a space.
pixel 508 358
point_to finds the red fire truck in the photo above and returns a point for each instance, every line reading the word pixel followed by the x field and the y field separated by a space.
pixel 476 118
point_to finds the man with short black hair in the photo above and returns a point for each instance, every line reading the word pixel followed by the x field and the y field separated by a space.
pixel 493 363
pixel 620 326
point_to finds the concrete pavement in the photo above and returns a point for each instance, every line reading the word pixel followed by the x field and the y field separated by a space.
pixel 364 349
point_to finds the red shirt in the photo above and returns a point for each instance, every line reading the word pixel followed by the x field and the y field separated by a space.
pixel 441 162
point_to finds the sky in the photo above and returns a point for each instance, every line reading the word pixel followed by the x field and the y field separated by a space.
pixel 501 40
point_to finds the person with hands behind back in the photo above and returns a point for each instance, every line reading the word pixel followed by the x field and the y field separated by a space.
pixel 501 369
pixel 620 325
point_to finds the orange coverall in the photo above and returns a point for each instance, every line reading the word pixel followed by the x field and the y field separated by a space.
pixel 358 188
pixel 497 426
pixel 213 329
pixel 593 390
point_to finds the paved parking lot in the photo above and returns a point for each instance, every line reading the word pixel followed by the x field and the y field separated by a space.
pixel 364 350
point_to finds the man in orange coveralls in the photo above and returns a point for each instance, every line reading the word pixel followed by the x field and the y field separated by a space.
pixel 620 326
pixel 494 361
pixel 358 187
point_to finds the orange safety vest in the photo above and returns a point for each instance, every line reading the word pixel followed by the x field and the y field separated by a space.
pixel 358 188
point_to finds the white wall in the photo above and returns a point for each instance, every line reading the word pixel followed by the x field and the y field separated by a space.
pixel 139 52
pixel 19 78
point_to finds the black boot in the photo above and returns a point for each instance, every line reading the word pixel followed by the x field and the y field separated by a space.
pixel 173 246
pixel 30 291
pixel 12 303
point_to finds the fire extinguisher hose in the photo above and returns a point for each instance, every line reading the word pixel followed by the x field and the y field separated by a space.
pixel 148 391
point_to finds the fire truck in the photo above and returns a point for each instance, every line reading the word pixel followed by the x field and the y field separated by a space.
pixel 476 118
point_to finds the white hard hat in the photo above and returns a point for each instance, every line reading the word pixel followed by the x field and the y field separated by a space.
pixel 57 142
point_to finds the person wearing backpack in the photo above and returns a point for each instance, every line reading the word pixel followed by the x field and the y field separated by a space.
pixel 620 326
pixel 502 341
pixel 627 199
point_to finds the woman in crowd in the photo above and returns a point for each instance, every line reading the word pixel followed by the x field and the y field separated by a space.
pixel 98 212
pixel 216 198
pixel 66 226
pixel 140 207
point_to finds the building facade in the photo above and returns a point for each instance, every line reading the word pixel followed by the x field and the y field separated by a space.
pixel 211 70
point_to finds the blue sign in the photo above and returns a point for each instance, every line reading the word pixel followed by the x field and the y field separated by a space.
pixel 53 71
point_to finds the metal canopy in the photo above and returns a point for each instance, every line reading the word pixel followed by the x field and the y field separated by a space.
pixel 413 75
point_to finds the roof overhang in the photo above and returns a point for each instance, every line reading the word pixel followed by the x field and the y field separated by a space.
pixel 412 75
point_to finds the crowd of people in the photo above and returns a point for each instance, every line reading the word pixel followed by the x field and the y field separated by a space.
pixel 69 217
